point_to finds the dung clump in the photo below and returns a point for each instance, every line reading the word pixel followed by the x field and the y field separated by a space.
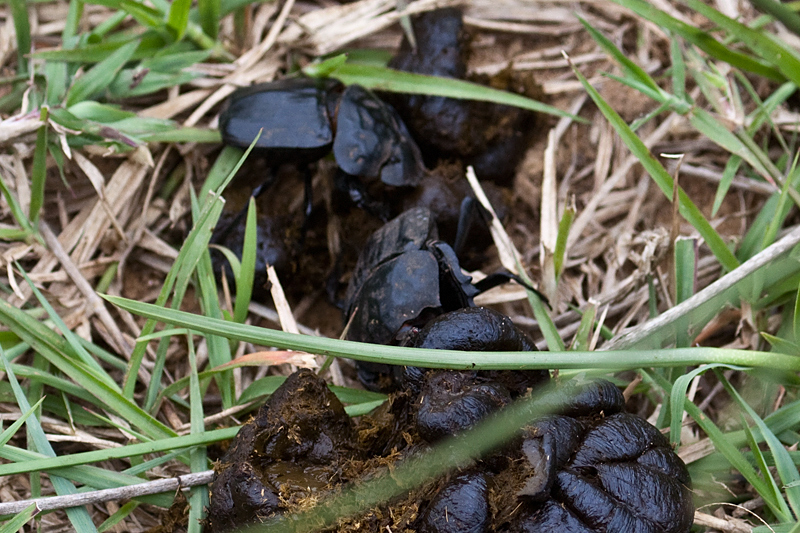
pixel 587 467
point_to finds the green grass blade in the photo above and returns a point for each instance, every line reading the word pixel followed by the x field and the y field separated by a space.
pixel 783 462
pixel 123 452
pixel 53 348
pixel 753 241
pixel 585 328
pixel 703 40
pixel 731 168
pixel 16 209
pixel 780 12
pixel 178 18
pixel 560 253
pixel 760 460
pixel 149 45
pixel 219 349
pixel 18 522
pixel 386 79
pixel 781 57
pixel 184 135
pixel 68 335
pixel 678 399
pixel 629 67
pixel 78 516
pixel 221 180
pixel 662 178
pixel 456 359
pixel 22 27
pixel 209 11
pixel 233 261
pixel 101 75
pixel 244 281
pixel 145 15
pixel 709 126
pixel 730 451
pixel 140 82
pixel 117 517
pixel 678 70
pixel 796 318
pixel 685 275
pixel 39 170
pixel 11 430
pixel 198 498
pixel 685 268
pixel 90 476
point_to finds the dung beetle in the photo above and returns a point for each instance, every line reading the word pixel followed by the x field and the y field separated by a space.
pixel 303 119
pixel 405 277
pixel 398 276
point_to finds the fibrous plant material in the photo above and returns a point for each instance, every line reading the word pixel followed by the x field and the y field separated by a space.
pixel 588 467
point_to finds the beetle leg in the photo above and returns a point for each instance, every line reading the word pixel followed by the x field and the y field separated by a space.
pixel 498 278
pixel 466 216
pixel 222 234
pixel 308 201
pixel 358 195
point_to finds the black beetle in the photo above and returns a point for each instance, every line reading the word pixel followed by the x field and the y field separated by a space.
pixel 404 277
pixel 398 276
pixel 303 119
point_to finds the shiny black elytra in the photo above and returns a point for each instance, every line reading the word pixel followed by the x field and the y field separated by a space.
pixel 303 119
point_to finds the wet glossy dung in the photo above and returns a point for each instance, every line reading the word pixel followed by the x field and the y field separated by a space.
pixel 476 329
pixel 284 454
pixel 618 475
pixel 462 506
pixel 452 402
pixel 488 136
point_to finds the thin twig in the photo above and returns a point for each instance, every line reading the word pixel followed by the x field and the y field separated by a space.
pixel 106 495
pixel 714 290
pixel 94 304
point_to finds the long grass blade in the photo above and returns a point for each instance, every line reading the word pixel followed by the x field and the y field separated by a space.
pixel 131 450
pixel 662 178
pixel 78 516
pixel 18 522
pixel 456 359
pixel 178 18
pixel 39 170
pixel 783 58
pixel 784 464
pixel 244 281
pixel 386 79
pixel 22 28
pixel 101 75
pixel 703 40
pixel 209 12
pixel 730 451
pixel 53 348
